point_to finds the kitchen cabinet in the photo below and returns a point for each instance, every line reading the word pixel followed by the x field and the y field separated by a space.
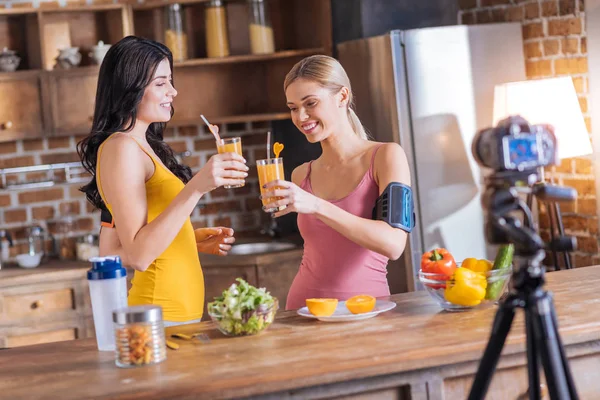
pixel 40 99
pixel 73 90
pixel 51 303
pixel 273 271
pixel 22 106
pixel 241 87
pixel 44 305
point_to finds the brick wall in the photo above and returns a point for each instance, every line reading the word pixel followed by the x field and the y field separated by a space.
pixel 554 35
pixel 239 208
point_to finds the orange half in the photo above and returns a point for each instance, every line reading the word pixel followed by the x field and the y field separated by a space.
pixel 321 307
pixel 360 304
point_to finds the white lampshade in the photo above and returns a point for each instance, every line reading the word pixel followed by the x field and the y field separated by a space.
pixel 546 101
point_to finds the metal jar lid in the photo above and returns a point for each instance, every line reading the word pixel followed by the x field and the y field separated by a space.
pixel 135 314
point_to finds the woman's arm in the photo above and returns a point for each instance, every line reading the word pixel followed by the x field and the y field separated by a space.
pixel 391 165
pixel 216 240
pixel 123 178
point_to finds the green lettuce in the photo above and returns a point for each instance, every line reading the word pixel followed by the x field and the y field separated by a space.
pixel 243 309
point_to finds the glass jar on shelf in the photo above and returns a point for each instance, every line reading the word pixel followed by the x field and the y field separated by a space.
pixel 217 39
pixel 67 226
pixel 261 30
pixel 87 247
pixel 175 36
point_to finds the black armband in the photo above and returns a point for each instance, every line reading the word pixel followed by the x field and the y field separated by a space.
pixel 396 207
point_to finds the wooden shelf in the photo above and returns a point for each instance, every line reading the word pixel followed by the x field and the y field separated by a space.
pixel 232 119
pixel 87 8
pixel 76 71
pixel 162 3
pixel 19 11
pixel 20 74
pixel 249 57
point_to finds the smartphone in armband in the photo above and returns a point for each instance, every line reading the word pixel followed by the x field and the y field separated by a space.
pixel 396 207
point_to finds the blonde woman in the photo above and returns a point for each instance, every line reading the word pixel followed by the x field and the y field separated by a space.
pixel 345 251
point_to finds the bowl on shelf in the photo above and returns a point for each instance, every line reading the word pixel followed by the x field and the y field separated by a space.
pixel 9 60
pixel 27 260
pixel 249 323
pixel 437 286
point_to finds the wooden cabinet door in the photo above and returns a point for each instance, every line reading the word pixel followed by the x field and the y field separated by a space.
pixel 217 279
pixel 73 95
pixel 277 278
pixel 41 333
pixel 25 305
pixel 21 105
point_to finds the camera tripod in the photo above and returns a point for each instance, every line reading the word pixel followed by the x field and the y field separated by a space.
pixel 541 326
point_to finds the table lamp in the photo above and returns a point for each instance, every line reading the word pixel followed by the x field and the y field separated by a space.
pixel 554 102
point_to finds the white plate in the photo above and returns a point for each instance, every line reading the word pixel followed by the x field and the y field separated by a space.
pixel 342 314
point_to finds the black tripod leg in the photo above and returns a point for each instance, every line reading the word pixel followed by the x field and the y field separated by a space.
pixel 547 338
pixel 532 359
pixel 561 232
pixel 487 366
pixel 552 217
pixel 563 356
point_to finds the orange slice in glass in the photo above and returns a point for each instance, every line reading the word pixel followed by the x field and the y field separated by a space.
pixel 360 304
pixel 321 307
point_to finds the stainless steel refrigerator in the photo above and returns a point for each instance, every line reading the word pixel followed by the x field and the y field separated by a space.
pixel 431 90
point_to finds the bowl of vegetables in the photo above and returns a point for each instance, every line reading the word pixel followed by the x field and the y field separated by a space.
pixel 471 284
pixel 243 309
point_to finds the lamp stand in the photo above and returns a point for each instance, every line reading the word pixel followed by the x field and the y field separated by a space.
pixel 556 222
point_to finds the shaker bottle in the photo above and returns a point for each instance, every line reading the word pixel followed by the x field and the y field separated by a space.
pixel 108 290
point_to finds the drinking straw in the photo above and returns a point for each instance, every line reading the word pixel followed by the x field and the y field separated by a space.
pixel 268 145
pixel 215 134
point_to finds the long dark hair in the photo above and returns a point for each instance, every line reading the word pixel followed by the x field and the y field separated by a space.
pixel 126 71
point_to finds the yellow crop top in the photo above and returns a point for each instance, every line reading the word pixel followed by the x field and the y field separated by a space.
pixel 174 280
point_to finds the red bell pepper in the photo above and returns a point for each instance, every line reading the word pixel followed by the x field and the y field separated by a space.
pixel 440 262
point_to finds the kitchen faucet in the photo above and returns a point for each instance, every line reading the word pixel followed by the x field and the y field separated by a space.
pixel 271 229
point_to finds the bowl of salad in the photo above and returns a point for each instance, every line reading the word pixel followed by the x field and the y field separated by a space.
pixel 243 309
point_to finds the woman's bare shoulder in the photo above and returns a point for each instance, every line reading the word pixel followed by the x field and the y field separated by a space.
pixel 299 173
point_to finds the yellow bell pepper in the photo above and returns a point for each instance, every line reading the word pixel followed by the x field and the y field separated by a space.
pixel 477 265
pixel 466 288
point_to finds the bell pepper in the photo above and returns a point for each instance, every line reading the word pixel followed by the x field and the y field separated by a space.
pixel 477 265
pixel 467 288
pixel 438 261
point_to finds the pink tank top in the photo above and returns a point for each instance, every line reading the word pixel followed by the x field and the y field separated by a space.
pixel 332 265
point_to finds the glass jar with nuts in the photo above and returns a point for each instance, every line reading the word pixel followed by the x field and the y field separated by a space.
pixel 140 336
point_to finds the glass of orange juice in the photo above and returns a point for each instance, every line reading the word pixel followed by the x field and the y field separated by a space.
pixel 269 170
pixel 230 145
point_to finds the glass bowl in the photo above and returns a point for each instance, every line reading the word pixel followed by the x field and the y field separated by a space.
pixel 250 322
pixel 436 284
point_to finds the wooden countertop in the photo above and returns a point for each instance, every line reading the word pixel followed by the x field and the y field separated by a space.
pixel 296 352
pixel 51 271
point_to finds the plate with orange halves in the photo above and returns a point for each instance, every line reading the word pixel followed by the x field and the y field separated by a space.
pixel 354 309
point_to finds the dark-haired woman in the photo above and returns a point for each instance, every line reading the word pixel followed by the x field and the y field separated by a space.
pixel 137 178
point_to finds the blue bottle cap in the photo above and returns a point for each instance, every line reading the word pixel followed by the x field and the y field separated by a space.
pixel 108 267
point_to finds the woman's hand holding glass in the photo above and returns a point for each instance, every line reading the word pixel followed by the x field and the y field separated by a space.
pixel 292 196
pixel 226 169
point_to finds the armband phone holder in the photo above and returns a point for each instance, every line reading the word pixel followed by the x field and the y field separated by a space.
pixel 395 206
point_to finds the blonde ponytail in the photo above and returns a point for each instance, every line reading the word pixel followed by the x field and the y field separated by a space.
pixel 330 74
pixel 357 126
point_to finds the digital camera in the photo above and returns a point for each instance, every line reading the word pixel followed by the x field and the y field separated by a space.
pixel 515 145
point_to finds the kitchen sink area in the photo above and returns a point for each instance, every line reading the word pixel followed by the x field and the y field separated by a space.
pixel 260 248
